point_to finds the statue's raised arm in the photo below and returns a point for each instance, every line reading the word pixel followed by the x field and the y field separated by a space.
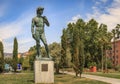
pixel 46 21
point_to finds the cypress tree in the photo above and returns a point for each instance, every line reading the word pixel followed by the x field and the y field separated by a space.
pixel 1 57
pixel 63 48
pixel 15 54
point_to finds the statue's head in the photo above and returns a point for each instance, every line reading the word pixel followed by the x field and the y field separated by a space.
pixel 39 11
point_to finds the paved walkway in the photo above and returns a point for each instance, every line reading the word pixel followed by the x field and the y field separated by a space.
pixel 99 78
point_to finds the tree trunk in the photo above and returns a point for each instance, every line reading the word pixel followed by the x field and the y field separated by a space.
pixel 80 75
pixel 105 63
pixel 57 69
pixel 76 74
pixel 102 58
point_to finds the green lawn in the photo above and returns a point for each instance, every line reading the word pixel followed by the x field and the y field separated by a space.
pixel 28 78
pixel 68 79
pixel 16 78
pixel 110 75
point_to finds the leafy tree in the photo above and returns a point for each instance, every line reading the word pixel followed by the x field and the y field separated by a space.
pixel 15 54
pixel 97 40
pixel 87 41
pixel 78 47
pixel 26 64
pixel 55 51
pixel 8 60
pixel 1 57
pixel 72 40
pixel 91 37
pixel 32 54
pixel 103 41
pixel 118 31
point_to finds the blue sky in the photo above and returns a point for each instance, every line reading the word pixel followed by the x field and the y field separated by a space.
pixel 16 16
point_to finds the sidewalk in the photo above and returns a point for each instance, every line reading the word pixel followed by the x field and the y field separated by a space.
pixel 99 78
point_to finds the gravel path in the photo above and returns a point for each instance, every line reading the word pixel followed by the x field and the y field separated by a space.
pixel 99 78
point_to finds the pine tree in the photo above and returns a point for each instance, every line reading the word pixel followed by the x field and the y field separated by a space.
pixel 15 54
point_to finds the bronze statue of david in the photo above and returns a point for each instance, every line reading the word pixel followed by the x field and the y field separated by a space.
pixel 37 29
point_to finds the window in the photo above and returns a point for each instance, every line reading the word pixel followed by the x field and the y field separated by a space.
pixel 116 56
pixel 116 50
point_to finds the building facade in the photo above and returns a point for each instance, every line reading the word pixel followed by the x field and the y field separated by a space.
pixel 114 53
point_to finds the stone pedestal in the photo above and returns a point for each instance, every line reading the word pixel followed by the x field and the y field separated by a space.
pixel 44 71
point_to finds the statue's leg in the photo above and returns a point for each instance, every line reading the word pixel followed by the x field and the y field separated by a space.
pixel 43 39
pixel 38 48
pixel 37 38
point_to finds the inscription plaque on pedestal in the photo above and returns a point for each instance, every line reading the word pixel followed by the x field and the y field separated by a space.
pixel 44 67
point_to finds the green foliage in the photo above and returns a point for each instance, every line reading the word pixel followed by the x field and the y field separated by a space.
pixel 31 56
pixel 109 64
pixel 1 50
pixel 64 48
pixel 20 60
pixel 26 64
pixel 15 54
pixel 117 68
pixel 87 42
pixel 8 61
pixel 1 57
pixel 77 47
pixel 1 65
pixel 73 40
pixel 90 64
pixel 55 52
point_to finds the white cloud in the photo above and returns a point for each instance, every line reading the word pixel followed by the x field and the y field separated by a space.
pixel 74 19
pixel 17 28
pixel 111 18
pixel 9 30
